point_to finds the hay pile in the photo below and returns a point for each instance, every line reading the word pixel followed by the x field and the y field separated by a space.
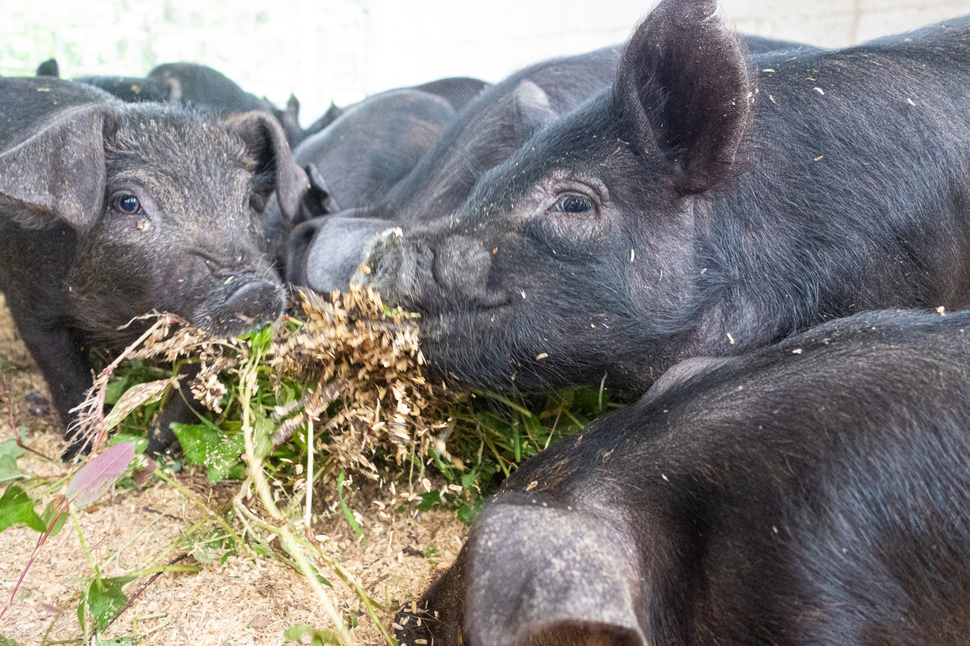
pixel 347 363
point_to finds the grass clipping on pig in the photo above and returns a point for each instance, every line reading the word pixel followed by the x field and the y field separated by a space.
pixel 348 356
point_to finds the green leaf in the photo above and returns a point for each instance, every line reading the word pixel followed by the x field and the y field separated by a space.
pixel 467 512
pixel 348 514
pixel 10 452
pixel 48 515
pixel 430 500
pixel 118 641
pixel 6 641
pixel 17 507
pixel 103 599
pixel 297 632
pixel 116 389
pixel 206 444
pixel 260 339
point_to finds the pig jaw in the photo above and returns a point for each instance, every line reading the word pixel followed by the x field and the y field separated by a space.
pixel 225 300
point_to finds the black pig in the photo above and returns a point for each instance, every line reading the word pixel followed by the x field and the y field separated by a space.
pixel 812 492
pixel 111 210
pixel 352 164
pixel 706 204
pixel 198 85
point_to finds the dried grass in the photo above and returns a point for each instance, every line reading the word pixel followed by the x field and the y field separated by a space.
pixel 348 349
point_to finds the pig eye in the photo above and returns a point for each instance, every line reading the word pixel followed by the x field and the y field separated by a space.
pixel 127 203
pixel 257 202
pixel 573 203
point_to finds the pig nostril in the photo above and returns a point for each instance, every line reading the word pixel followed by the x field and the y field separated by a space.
pixel 253 296
pixel 248 302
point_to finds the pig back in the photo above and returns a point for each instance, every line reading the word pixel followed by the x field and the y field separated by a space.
pixel 26 103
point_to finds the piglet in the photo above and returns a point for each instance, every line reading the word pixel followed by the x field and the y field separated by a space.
pixel 111 210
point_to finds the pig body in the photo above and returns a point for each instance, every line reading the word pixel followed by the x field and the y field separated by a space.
pixel 459 91
pixel 708 203
pixel 111 210
pixel 811 492
pixel 130 89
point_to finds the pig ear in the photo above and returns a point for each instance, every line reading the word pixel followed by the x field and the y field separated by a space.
pixel 59 171
pixel 49 68
pixel 318 200
pixel 684 82
pixel 264 137
pixel 532 108
pixel 543 575
pixel 290 119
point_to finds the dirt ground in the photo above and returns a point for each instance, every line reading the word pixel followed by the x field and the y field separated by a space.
pixel 245 601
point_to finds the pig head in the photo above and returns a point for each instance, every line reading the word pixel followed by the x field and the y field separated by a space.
pixel 706 204
pixel 109 211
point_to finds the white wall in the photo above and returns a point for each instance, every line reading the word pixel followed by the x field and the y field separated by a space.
pixel 408 40
pixel 346 49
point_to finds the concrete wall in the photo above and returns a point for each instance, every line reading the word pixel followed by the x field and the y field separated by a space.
pixel 345 49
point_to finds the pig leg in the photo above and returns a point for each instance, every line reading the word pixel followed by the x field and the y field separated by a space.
pixel 438 616
pixel 60 356
pixel 180 408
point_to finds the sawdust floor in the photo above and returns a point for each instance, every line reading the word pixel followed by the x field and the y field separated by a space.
pixel 243 601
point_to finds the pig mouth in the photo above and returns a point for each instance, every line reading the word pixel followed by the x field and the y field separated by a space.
pixel 441 328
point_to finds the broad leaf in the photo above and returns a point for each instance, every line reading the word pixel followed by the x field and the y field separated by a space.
pixel 103 599
pixel 17 507
pixel 210 446
pixel 55 510
pixel 10 452
pixel 99 474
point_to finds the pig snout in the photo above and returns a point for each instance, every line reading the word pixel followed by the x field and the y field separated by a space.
pixel 382 266
pixel 430 277
pixel 325 253
pixel 246 301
